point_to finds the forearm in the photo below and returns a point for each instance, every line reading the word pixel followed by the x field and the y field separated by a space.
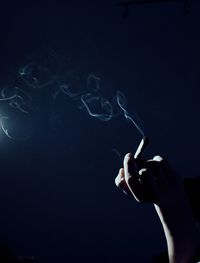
pixel 180 230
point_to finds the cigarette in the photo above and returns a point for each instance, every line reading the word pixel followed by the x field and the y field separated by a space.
pixel 144 142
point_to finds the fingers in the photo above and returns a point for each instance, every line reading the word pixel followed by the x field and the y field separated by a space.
pixel 132 178
pixel 119 177
pixel 121 183
pixel 127 178
pixel 158 158
pixel 149 184
pixel 127 160
pixel 130 169
pixel 148 178
pixel 167 170
pixel 142 171
pixel 156 172
pixel 159 175
pixel 145 180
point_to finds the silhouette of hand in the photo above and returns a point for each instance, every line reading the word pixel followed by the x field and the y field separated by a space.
pixel 151 181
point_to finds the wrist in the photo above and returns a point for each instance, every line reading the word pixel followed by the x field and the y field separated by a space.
pixel 176 214
pixel 180 229
pixel 174 196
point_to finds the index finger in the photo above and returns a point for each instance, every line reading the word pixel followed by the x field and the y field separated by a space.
pixel 130 168
pixel 132 177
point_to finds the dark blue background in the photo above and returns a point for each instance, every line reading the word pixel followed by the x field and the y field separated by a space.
pixel 58 200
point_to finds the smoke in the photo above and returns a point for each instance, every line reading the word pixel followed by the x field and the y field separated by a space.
pixel 35 82
pixel 36 76
pixel 121 103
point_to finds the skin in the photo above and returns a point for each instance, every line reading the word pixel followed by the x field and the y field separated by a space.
pixel 154 181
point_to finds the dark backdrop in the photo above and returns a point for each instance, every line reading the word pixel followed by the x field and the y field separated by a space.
pixel 58 200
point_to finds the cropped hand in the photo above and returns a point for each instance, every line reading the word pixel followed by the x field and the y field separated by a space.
pixel 149 181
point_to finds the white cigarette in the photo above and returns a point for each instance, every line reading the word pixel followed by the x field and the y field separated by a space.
pixel 144 142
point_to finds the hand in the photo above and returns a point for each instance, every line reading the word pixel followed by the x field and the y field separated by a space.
pixel 149 181
pixel 156 182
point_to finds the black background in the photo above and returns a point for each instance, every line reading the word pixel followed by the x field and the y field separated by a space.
pixel 58 200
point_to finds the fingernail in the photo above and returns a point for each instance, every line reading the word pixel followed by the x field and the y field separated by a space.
pixel 128 155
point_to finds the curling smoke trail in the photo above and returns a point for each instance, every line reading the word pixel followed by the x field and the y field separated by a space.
pixel 105 105
pixel 119 97
pixel 34 79
pixel 91 98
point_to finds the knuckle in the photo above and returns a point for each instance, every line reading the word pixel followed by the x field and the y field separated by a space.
pixel 142 171
pixel 157 158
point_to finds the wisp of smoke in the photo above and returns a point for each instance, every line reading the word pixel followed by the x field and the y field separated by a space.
pixel 121 103
pixel 110 108
pixel 35 78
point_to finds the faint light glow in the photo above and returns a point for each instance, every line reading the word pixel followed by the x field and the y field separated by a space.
pixel 35 82
pixel 3 126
